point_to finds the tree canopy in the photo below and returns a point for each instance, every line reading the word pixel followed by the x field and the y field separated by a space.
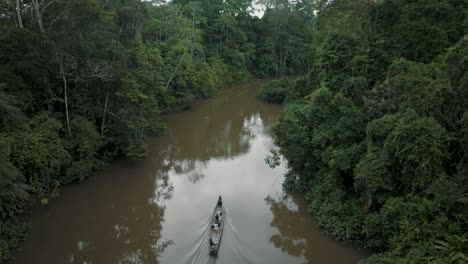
pixel 83 82
pixel 375 132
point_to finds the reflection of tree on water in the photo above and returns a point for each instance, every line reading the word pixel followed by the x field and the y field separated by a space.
pixel 231 140
pixel 126 227
pixel 192 168
pixel 163 189
pixel 252 126
pixel 220 129
pixel 214 139
pixel 150 240
pixel 299 236
pixel 289 220
pixel 139 257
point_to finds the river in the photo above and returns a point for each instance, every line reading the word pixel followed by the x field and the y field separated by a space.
pixel 158 210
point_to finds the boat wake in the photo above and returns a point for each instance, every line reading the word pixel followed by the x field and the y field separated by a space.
pixel 231 245
pixel 201 249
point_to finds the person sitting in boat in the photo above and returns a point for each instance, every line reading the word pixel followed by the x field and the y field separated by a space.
pixel 213 241
pixel 220 202
pixel 217 219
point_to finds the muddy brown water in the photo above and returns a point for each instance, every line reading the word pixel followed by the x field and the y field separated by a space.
pixel 158 210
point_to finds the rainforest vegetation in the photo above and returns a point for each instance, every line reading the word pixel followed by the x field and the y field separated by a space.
pixel 375 128
pixel 83 82
pixel 376 131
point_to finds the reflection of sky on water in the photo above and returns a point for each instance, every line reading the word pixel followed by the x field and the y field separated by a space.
pixel 243 180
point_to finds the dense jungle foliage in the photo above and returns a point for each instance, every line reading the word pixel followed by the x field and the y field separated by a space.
pixel 83 82
pixel 376 132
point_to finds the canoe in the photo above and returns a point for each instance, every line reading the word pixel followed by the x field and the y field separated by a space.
pixel 216 227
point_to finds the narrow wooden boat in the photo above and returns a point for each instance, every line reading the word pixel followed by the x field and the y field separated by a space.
pixel 216 226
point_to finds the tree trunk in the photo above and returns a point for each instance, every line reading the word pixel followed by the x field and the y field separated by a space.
pixel 40 6
pixel 193 29
pixel 221 38
pixel 104 111
pixel 18 13
pixel 285 58
pixel 174 72
pixel 41 27
pixel 39 12
pixel 66 102
pixel 65 88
